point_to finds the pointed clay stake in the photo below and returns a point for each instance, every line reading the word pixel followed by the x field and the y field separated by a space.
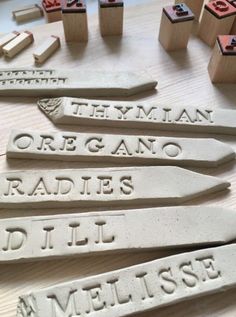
pixel 51 82
pixel 137 288
pixel 106 186
pixel 139 115
pixel 69 146
pixel 47 237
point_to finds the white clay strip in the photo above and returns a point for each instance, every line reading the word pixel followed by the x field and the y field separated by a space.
pixel 207 119
pixel 50 82
pixel 137 288
pixel 104 186
pixel 46 237
pixel 70 146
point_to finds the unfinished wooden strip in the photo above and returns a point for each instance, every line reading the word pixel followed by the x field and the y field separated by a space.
pixel 28 14
pixel 140 149
pixel 47 237
pixel 139 115
pixel 106 186
pixel 23 8
pixel 4 40
pixel 52 82
pixel 137 288
pixel 15 46
pixel 44 51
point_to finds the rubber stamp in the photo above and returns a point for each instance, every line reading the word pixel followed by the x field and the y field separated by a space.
pixel 136 149
pixel 138 288
pixel 218 17
pixel 233 29
pixel 28 14
pixel 222 65
pixel 52 10
pixel 59 82
pixel 104 186
pixel 18 44
pixel 111 15
pixel 47 237
pixel 106 113
pixel 44 51
pixel 194 5
pixel 5 39
pixel 75 23
pixel 176 26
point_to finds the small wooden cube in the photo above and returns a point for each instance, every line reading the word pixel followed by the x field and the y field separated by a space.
pixel 44 51
pixel 222 65
pixel 4 40
pixel 28 14
pixel 194 5
pixel 18 44
pixel 111 15
pixel 52 10
pixel 176 26
pixel 218 18
pixel 75 23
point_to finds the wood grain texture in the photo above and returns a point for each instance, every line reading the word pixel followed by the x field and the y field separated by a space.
pixel 183 79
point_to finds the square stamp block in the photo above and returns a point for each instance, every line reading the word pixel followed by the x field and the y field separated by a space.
pixel 222 65
pixel 52 10
pixel 75 23
pixel 111 16
pixel 176 26
pixel 218 16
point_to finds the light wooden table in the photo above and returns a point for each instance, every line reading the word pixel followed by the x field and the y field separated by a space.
pixel 182 77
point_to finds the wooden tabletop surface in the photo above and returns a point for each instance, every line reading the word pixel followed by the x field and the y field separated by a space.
pixel 183 79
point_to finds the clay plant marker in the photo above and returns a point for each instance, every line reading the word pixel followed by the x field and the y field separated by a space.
pixel 138 288
pixel 47 237
pixel 146 150
pixel 77 111
pixel 51 82
pixel 104 186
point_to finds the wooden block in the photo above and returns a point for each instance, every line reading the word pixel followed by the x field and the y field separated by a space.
pixel 27 239
pixel 74 17
pixel 176 26
pixel 43 52
pixel 222 66
pixel 218 18
pixel 52 10
pixel 104 186
pixel 29 14
pixel 233 29
pixel 18 44
pixel 23 8
pixel 111 15
pixel 4 40
pixel 194 5
pixel 138 288
pixel 60 82
pixel 114 148
pixel 139 115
